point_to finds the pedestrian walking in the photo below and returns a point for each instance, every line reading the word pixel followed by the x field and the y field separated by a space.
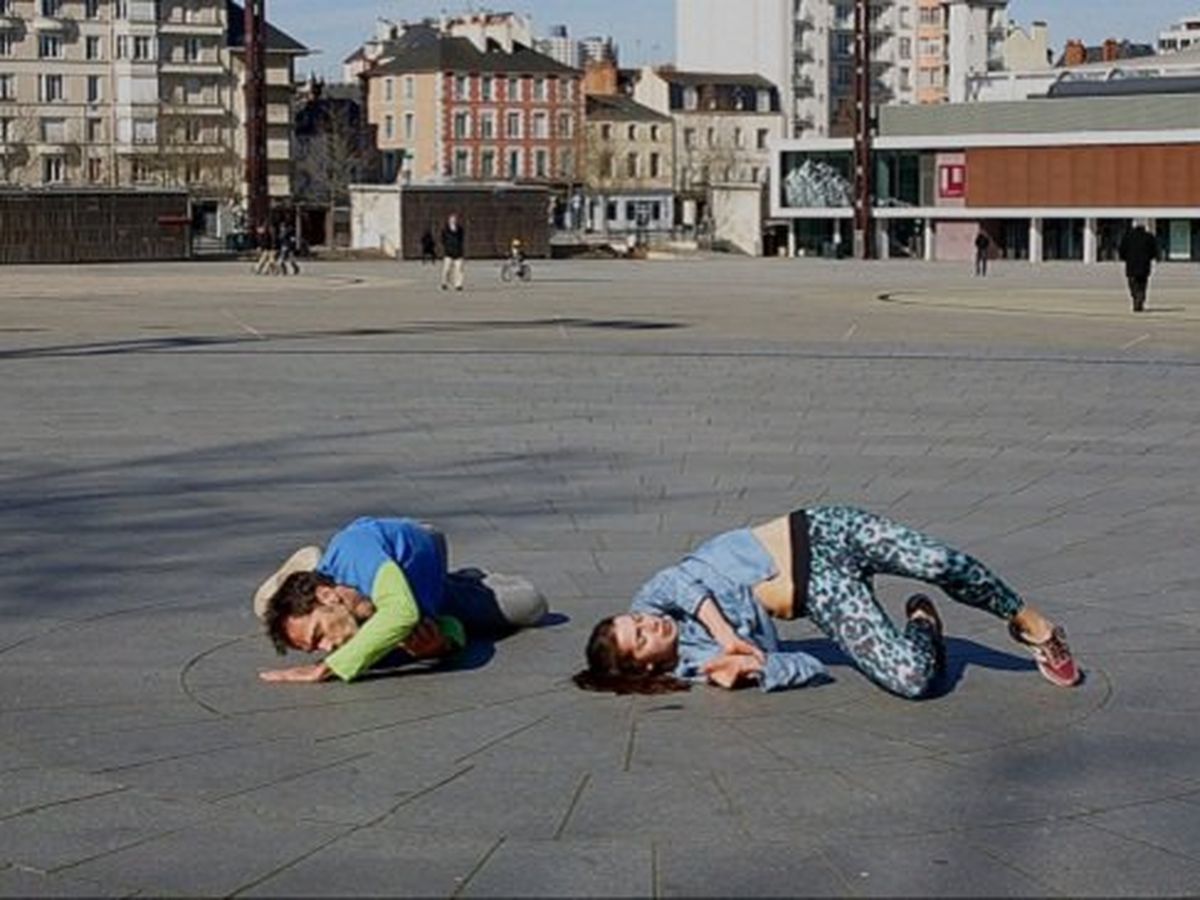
pixel 287 250
pixel 1139 250
pixel 265 240
pixel 983 250
pixel 453 247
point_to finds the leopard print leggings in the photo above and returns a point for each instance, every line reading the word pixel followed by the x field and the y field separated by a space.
pixel 848 548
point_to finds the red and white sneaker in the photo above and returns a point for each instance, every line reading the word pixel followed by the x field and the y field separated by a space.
pixel 1053 656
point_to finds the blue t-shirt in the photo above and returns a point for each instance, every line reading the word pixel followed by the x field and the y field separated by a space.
pixel 355 554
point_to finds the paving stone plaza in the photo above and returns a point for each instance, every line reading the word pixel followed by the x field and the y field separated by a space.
pixel 172 432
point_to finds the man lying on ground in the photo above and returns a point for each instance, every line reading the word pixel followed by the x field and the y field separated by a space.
pixel 383 585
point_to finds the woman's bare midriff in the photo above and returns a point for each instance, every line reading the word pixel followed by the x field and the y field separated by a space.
pixel 776 594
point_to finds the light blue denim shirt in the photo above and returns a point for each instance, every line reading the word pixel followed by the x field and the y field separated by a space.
pixel 725 568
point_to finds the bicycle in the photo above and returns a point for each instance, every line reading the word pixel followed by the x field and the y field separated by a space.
pixel 516 268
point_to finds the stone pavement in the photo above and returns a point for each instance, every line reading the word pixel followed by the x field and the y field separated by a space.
pixel 172 431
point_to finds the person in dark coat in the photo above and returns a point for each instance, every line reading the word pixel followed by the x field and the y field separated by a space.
pixel 453 247
pixel 1139 250
pixel 983 248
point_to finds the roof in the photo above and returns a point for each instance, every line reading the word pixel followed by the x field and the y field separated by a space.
pixel 277 41
pixel 1125 50
pixel 619 108
pixel 1120 87
pixel 425 50
pixel 695 79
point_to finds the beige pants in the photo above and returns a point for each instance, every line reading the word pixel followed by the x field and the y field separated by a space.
pixel 452 273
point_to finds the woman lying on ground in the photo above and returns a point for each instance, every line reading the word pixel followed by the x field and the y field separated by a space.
pixel 708 618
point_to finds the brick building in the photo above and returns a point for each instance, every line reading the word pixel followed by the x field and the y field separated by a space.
pixel 465 100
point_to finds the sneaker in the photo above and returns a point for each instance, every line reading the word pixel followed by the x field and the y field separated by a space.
pixel 919 606
pixel 1053 656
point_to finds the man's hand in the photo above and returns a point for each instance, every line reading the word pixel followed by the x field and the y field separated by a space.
pixel 298 674
pixel 728 669
pixel 427 642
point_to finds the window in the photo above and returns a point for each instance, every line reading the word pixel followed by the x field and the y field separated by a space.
pixel 389 127
pixel 410 126
pixel 655 165
pixel 567 88
pixel 121 9
pixel 631 132
pixel 610 211
pixel 462 87
pixel 54 131
pixel 54 169
pixel 514 88
pixel 606 132
pixel 410 87
pixel 462 163
pixel 95 170
pixel 655 133
pixel 486 88
pixel 843 44
pixel 51 8
pixel 93 89
pixel 145 131
pixel 514 163
pixel 568 164
pixel 462 125
pixel 764 101
pixel 739 138
pixel 487 164
pixel 487 125
pixel 7 88
pixel 691 98
pixel 143 47
pixel 631 165
pixel 91 9
pixel 140 171
pixel 764 135
pixel 121 49
pixel 92 50
pixel 49 46
pixel 711 137
pixel 905 48
pixel 541 125
pixel 95 130
pixel 564 125
pixel 192 132
pixel 512 125
pixel 689 138
pixel 389 89
pixel 539 90
pixel 50 88
pixel 191 50
pixel 4 130
pixel 6 43
pixel 541 164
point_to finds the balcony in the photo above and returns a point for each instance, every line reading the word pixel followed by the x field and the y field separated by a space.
pixel 10 23
pixel 190 67
pixel 193 29
pixel 802 56
pixel 50 24
pixel 802 86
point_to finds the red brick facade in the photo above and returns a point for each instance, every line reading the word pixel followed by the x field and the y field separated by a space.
pixel 478 111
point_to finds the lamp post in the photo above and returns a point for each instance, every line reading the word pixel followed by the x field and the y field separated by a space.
pixel 258 198
pixel 864 244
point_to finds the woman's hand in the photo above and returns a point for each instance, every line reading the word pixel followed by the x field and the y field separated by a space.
pixel 298 674
pixel 722 632
pixel 427 641
pixel 728 669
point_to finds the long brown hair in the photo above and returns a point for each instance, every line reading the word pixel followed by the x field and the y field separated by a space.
pixel 609 671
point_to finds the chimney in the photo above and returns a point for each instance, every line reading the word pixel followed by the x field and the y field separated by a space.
pixel 1075 54
pixel 1112 50
pixel 600 77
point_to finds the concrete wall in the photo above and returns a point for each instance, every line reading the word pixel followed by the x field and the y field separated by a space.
pixel 737 212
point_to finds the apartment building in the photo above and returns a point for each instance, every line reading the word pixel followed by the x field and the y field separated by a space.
pixel 629 167
pixel 136 92
pixel 724 127
pixel 467 100
pixel 920 50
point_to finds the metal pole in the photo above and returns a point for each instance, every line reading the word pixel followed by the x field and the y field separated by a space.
pixel 258 200
pixel 864 243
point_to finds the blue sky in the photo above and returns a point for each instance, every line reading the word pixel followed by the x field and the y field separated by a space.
pixel 645 29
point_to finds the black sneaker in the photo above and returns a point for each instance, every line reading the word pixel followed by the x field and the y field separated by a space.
pixel 920 607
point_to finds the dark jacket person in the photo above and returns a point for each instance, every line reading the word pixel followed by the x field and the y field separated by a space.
pixel 1139 250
